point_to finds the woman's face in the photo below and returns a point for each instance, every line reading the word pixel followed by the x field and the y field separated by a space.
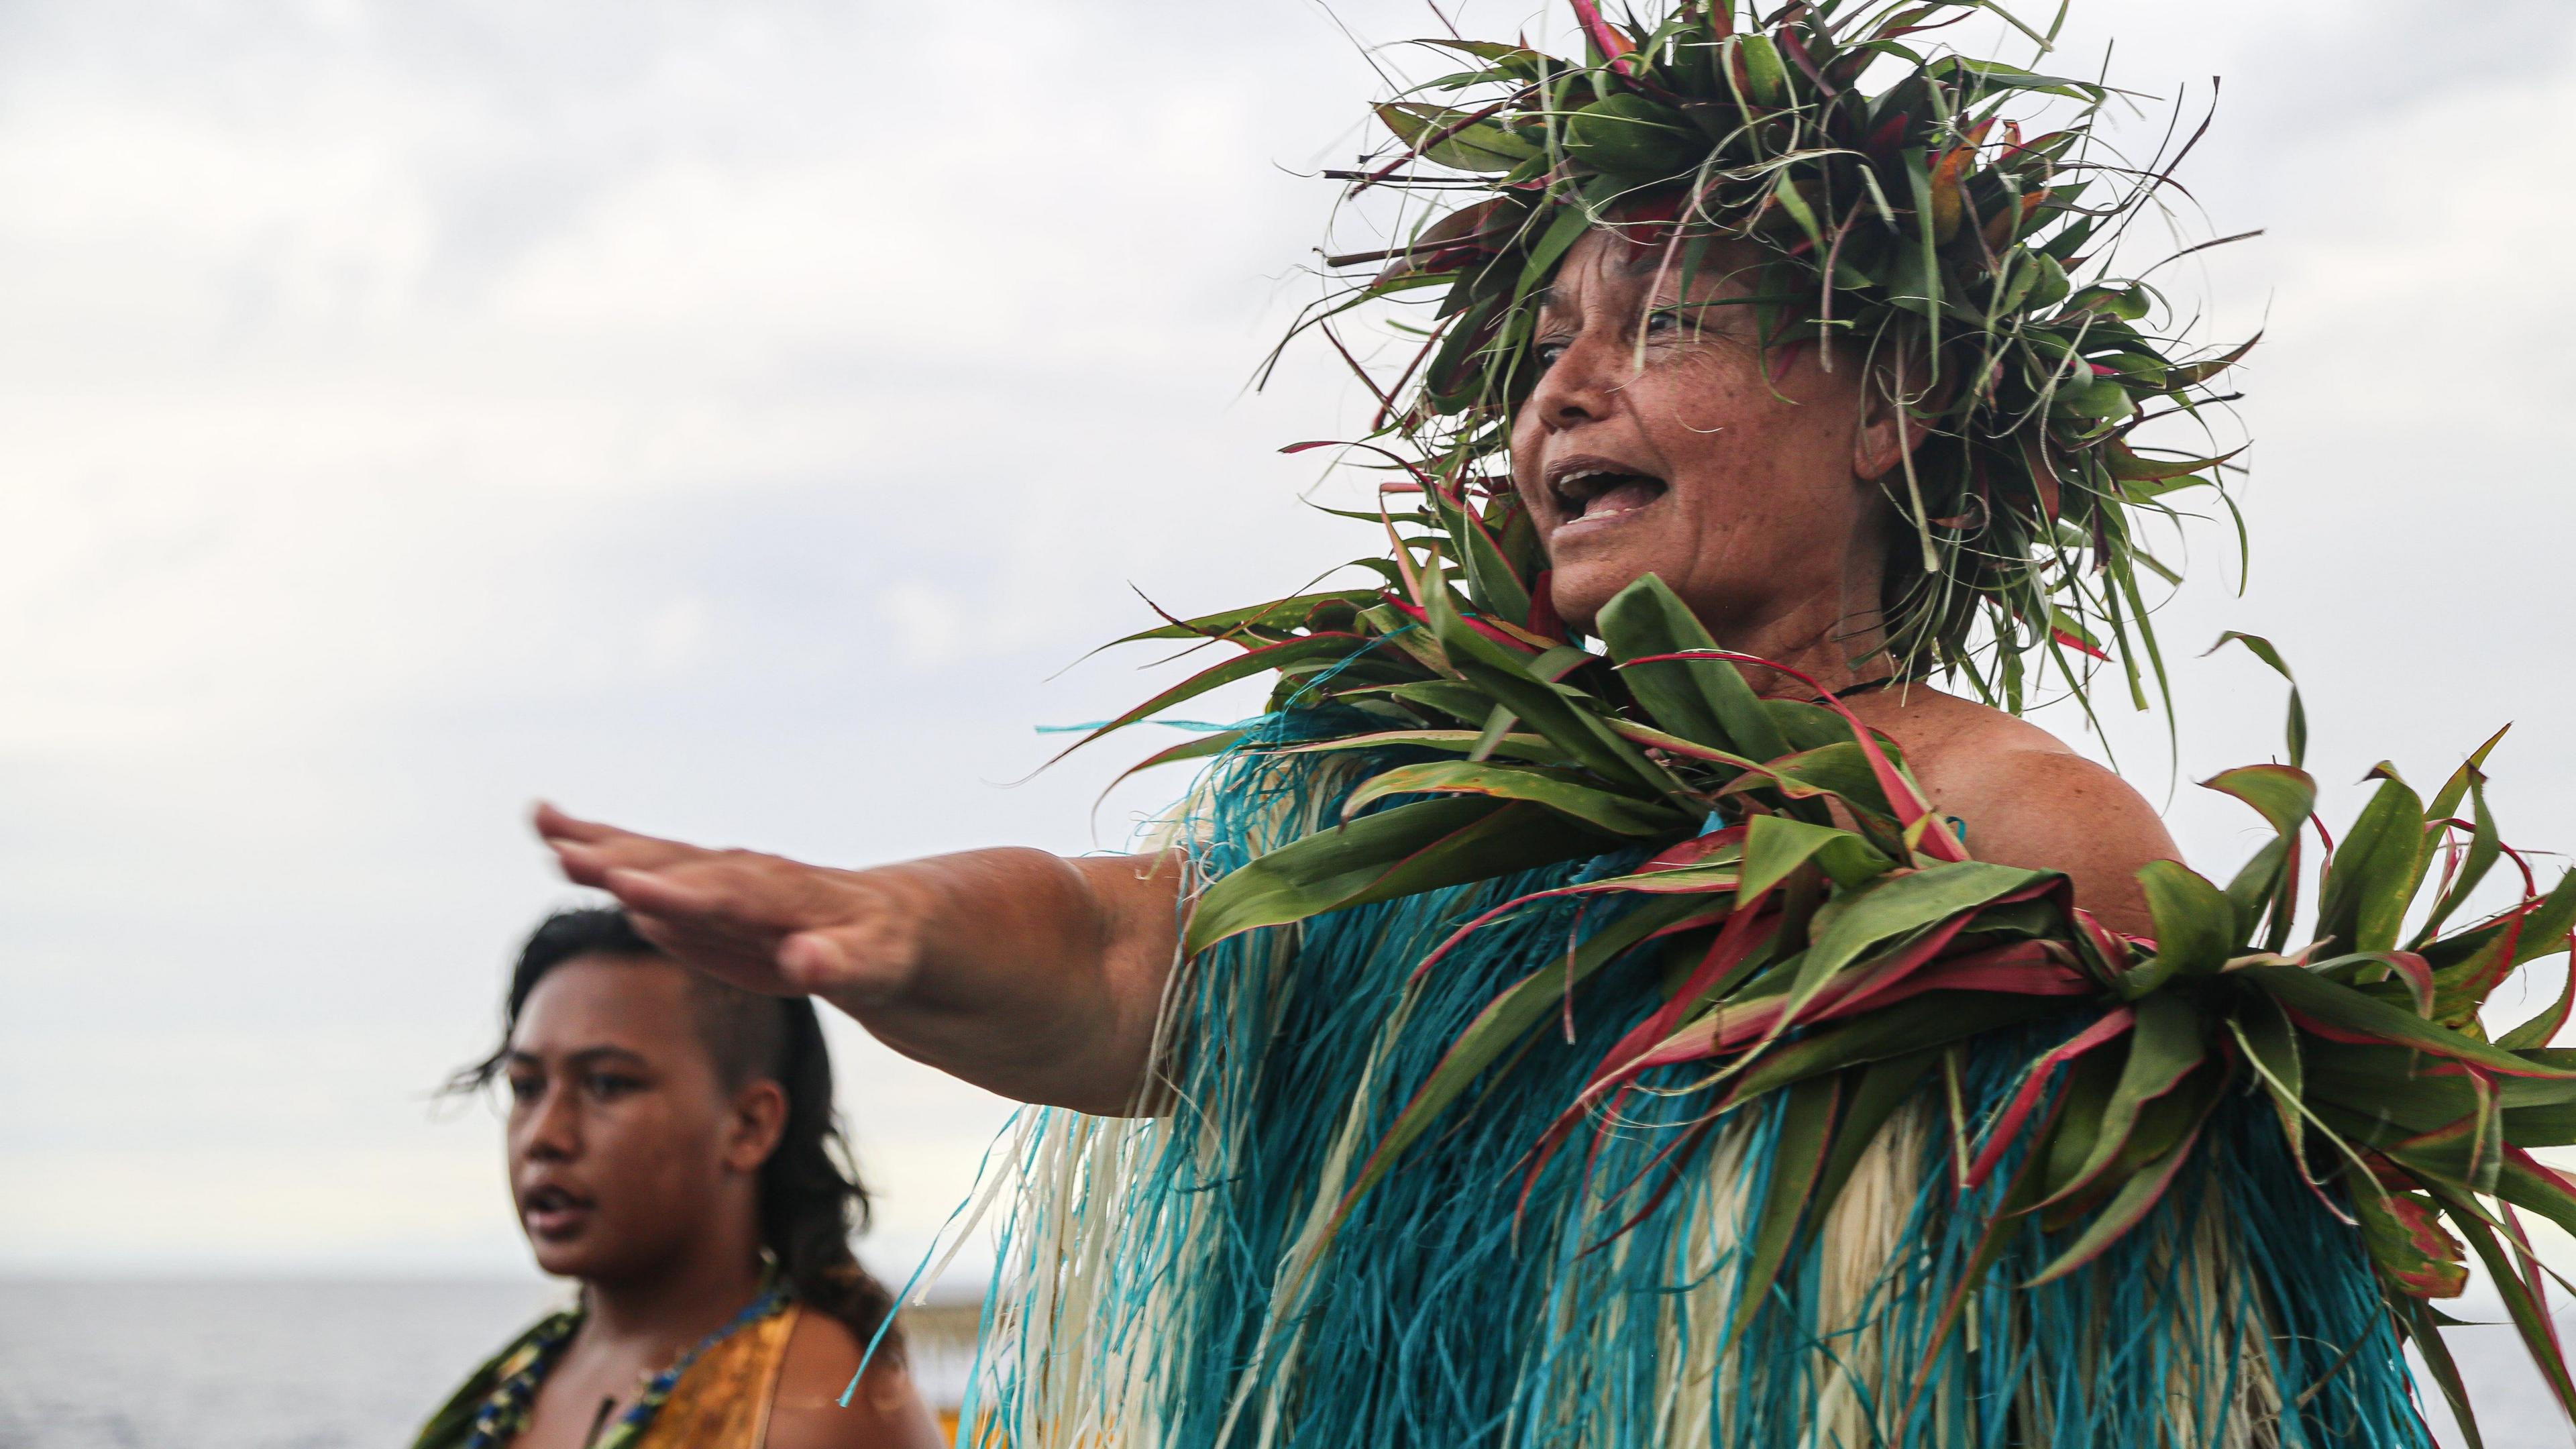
pixel 1653 442
pixel 626 1151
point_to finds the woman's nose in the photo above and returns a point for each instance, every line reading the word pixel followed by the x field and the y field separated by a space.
pixel 1576 388
pixel 551 1130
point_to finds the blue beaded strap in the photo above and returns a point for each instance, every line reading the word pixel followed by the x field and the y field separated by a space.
pixel 506 1412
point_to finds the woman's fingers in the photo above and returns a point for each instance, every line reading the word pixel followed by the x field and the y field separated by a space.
pixel 554 824
pixel 588 850
pixel 759 920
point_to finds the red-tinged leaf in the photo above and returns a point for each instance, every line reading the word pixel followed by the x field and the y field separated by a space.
pixel 1673 880
pixel 1483 627
pixel 1737 1024
pixel 1505 673
pixel 1533 748
pixel 2196 927
pixel 2526 1312
pixel 2408 1244
pixel 2116 959
pixel 2164 1047
pixel 1881 1088
pixel 1838 771
pixel 2129 467
pixel 2542 1029
pixel 1797 1157
pixel 1890 133
pixel 2261 648
pixel 2531 1277
pixel 1948 206
pixel 1204 747
pixel 2128 1207
pixel 2405 965
pixel 1397 852
pixel 2528 1182
pixel 1277 615
pixel 1334 646
pixel 1703 699
pixel 1902 796
pixel 1605 37
pixel 2284 795
pixel 2463 1151
pixel 2372 876
pixel 2426 1334
pixel 2339 1013
pixel 2043 474
pixel 1555 790
pixel 2446 801
pixel 1496 1029
pixel 1941 1017
pixel 2079 644
pixel 1744 933
pixel 2186 375
pixel 1775 845
pixel 1939 900
pixel 1695 850
pixel 2034 1084
pixel 1543 619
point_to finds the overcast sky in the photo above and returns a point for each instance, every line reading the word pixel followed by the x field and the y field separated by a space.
pixel 730 419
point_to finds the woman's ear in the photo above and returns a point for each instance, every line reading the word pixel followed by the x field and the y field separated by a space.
pixel 1888 425
pixel 758 1119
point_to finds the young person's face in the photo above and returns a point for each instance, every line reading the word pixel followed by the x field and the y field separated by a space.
pixel 626 1150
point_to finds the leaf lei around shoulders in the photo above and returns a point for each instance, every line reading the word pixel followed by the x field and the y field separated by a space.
pixel 1836 935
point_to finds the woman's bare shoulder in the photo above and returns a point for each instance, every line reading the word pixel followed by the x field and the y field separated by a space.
pixel 2026 798
pixel 885 1413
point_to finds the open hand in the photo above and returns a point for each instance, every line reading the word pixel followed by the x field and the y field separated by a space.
pixel 762 922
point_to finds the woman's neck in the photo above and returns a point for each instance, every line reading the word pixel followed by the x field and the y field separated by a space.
pixel 663 1314
pixel 1820 639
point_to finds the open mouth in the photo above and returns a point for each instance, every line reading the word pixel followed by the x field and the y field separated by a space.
pixel 553 1212
pixel 1601 492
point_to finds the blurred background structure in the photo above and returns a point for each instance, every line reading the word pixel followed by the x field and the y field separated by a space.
pixel 728 420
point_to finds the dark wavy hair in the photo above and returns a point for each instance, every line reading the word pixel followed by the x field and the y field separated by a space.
pixel 811 1200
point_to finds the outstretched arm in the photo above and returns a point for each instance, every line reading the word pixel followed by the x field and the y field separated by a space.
pixel 1028 974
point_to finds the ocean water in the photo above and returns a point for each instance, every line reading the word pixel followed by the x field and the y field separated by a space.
pixel 340 1365
pixel 235 1364
pixel 242 1365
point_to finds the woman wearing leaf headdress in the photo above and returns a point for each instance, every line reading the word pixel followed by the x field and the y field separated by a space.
pixel 1612 997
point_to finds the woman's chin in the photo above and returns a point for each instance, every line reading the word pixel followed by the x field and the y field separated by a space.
pixel 565 1260
pixel 1580 590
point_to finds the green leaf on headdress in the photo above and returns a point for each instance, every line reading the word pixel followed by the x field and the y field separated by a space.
pixel 1559 791
pixel 1454 138
pixel 1629 135
pixel 2375 869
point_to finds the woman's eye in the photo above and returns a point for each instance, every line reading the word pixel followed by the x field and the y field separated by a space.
pixel 1546 354
pixel 1663 321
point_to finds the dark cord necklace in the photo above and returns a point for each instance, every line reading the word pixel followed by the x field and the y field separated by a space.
pixel 1864 687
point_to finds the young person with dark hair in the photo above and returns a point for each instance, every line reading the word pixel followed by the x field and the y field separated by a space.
pixel 672 1146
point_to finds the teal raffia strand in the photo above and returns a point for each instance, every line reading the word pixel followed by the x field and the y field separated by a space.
pixel 1150 1291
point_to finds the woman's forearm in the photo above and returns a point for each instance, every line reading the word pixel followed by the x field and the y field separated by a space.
pixel 1028 974
pixel 1025 973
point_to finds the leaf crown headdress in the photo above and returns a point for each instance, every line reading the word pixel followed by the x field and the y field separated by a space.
pixel 1914 223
